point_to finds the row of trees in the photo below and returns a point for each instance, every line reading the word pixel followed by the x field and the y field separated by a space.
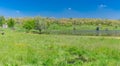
pixel 10 22
pixel 37 23
pixel 40 23
pixel 34 23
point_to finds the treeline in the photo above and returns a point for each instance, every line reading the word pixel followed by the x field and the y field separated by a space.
pixel 41 23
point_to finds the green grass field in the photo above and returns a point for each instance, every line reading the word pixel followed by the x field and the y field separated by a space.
pixel 27 49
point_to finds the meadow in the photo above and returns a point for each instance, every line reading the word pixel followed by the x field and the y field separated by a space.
pixel 28 49
pixel 41 41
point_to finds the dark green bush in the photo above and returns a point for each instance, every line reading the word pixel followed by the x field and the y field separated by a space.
pixel 29 24
pixel 11 23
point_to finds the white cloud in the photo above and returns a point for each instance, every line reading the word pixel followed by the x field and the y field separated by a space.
pixel 102 6
pixel 17 11
pixel 69 8
pixel 11 13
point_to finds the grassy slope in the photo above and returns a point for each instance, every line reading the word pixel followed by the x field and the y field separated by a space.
pixel 21 49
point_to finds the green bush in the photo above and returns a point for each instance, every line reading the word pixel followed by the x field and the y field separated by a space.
pixel 11 23
pixel 29 24
pixel 39 25
pixel 2 20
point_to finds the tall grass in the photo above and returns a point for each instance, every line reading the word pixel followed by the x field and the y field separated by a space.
pixel 21 49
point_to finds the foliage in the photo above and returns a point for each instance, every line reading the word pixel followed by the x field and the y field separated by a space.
pixel 39 24
pixel 11 23
pixel 2 20
pixel 45 25
pixel 29 24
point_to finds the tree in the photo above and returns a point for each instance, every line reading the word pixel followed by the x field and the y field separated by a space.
pixel 2 20
pixel 39 24
pixel 29 24
pixel 11 23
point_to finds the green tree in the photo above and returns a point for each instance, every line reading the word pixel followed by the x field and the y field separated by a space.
pixel 29 24
pixel 39 25
pixel 11 23
pixel 2 20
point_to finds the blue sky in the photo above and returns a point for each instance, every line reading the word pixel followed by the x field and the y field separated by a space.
pixel 61 8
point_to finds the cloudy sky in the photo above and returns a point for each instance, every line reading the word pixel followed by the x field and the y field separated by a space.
pixel 61 8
